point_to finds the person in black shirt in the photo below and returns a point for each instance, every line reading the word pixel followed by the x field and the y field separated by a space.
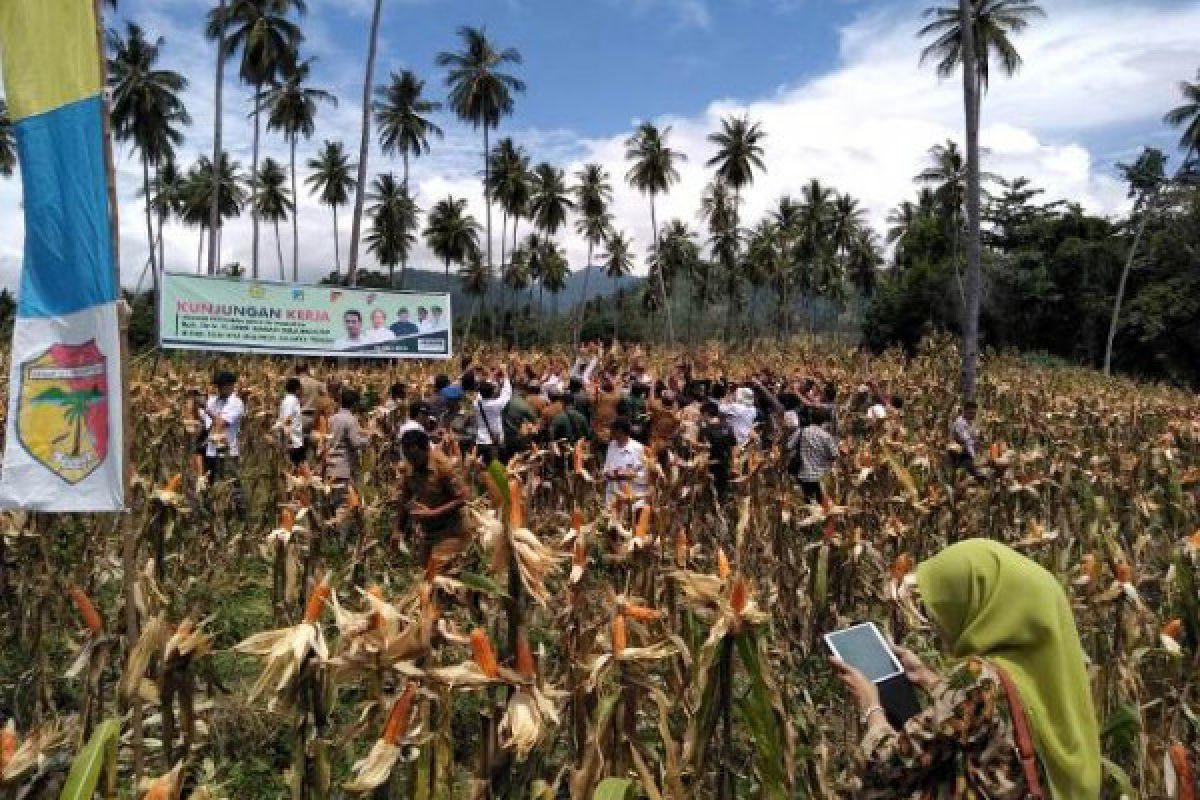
pixel 716 433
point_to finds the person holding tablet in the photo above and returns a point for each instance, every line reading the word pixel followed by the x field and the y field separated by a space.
pixel 1014 718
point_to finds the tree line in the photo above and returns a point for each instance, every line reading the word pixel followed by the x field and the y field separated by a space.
pixel 958 231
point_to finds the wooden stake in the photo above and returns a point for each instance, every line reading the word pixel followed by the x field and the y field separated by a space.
pixel 128 534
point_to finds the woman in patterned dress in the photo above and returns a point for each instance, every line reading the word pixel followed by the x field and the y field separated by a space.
pixel 998 614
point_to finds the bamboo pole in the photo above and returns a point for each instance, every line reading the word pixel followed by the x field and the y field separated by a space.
pixel 128 534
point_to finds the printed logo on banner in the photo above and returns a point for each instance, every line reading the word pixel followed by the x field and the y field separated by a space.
pixel 62 413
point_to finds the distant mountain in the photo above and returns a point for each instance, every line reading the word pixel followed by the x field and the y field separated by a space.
pixel 420 280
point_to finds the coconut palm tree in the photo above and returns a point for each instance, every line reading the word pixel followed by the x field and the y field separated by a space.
pixel 292 110
pixel 593 194
pixel 330 179
pixel 267 40
pixel 402 113
pixel 678 255
pixel 739 154
pixel 653 171
pixel 617 261
pixel 788 216
pixel 509 185
pixel 451 233
pixel 549 203
pixel 969 32
pixel 273 201
pixel 473 280
pixel 364 146
pixel 481 94
pixel 550 199
pixel 1146 177
pixel 215 31
pixel 848 221
pixel 147 109
pixel 167 201
pixel 555 270
pixel 1187 116
pixel 393 224
pixel 202 189
pixel 516 274
pixel 863 259
pixel 8 144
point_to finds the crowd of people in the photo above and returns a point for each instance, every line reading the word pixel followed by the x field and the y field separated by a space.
pixel 497 411
pixel 974 731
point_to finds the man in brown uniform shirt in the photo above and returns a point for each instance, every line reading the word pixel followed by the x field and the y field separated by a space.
pixel 432 497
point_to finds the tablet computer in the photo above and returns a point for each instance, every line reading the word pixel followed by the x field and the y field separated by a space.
pixel 864 648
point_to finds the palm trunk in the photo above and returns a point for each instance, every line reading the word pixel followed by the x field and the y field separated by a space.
pixel 970 354
pixel 364 147
pixel 214 213
pixel 487 200
pixel 1116 312
pixel 337 259
pixel 200 252
pixel 617 312
pixel 581 306
pixel 279 248
pixel 162 260
pixel 662 283
pixel 254 184
pixel 404 258
pixel 500 274
pixel 446 277
pixel 149 221
pixel 295 219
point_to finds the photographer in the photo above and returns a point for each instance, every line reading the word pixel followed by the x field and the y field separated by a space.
pixel 1014 718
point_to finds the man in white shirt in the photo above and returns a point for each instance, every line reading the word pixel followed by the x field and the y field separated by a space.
pixel 741 415
pixel 380 332
pixel 221 454
pixel 489 422
pixel 624 465
pixel 354 337
pixel 291 422
pixel 438 322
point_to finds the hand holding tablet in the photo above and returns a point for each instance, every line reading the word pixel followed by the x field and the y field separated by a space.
pixel 863 648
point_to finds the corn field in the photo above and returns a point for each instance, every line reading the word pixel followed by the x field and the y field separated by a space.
pixel 572 651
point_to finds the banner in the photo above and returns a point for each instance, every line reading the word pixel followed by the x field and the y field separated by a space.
pixel 227 314
pixel 64 448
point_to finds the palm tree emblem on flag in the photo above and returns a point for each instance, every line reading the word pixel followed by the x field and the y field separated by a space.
pixel 62 418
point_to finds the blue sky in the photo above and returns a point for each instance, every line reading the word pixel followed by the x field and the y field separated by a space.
pixel 835 84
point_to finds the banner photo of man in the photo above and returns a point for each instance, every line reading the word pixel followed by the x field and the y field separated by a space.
pixel 204 313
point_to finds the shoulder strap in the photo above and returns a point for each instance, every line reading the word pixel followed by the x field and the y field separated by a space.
pixel 1024 736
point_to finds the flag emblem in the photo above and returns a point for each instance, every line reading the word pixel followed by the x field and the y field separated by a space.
pixel 62 415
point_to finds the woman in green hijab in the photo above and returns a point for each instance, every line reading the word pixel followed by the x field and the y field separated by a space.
pixel 998 614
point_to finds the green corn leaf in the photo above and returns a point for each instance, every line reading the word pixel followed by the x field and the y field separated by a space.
pixel 768 722
pixel 97 759
pixel 615 789
pixel 500 476
pixel 1120 779
pixel 482 584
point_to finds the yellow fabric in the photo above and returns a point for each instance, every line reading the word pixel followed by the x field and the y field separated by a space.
pixel 991 602
pixel 49 54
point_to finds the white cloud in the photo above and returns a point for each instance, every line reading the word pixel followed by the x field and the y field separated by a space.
pixel 687 13
pixel 863 126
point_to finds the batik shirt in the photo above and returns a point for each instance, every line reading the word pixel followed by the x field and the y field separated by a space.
pixel 962 747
